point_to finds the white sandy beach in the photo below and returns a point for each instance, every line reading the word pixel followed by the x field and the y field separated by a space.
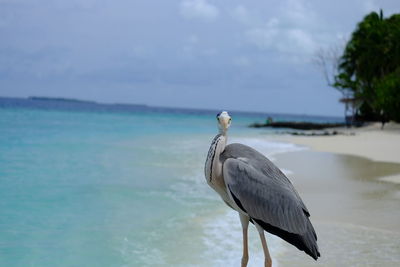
pixel 370 142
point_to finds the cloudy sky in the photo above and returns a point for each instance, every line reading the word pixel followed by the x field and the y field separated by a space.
pixel 224 54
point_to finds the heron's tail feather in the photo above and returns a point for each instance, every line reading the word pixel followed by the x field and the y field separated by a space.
pixel 310 241
pixel 306 242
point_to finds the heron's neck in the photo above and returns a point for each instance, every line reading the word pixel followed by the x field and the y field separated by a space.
pixel 223 131
pixel 220 146
pixel 213 168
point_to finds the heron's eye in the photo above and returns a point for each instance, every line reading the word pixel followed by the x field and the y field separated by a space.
pixel 230 120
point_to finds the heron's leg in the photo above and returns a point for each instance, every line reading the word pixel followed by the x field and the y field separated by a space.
pixel 244 219
pixel 268 260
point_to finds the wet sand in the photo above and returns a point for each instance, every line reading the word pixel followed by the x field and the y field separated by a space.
pixel 356 215
pixel 370 142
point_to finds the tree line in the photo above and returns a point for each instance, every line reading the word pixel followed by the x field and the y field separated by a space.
pixel 368 71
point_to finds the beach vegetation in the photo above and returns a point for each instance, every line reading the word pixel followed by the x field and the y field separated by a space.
pixel 369 69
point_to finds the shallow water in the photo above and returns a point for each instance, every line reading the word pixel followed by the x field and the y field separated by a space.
pixel 127 189
pixel 105 189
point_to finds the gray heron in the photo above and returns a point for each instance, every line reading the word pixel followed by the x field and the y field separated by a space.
pixel 253 186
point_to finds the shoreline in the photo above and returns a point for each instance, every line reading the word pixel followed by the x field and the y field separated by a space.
pixel 368 142
pixel 344 188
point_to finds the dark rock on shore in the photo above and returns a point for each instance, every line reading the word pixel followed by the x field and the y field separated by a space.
pixel 298 125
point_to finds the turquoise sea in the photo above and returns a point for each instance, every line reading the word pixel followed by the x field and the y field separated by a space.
pixel 84 184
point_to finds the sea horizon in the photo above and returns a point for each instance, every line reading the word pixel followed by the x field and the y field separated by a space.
pixel 75 104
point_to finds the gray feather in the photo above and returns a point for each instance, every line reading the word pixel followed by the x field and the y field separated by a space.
pixel 264 198
pixel 259 162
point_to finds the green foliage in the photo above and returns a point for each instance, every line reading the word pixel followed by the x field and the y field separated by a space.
pixel 369 67
pixel 388 95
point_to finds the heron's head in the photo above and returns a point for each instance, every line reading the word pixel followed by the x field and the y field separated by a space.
pixel 224 121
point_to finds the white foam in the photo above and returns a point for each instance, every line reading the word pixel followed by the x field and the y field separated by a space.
pixel 134 252
pixel 266 147
pixel 223 239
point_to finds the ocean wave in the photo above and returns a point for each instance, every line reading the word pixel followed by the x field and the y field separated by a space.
pixel 268 148
pixel 223 239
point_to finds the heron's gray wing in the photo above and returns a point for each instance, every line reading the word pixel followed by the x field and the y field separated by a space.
pixel 263 198
pixel 270 203
pixel 262 164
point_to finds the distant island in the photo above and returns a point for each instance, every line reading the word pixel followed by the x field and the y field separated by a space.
pixel 79 101
pixel 60 99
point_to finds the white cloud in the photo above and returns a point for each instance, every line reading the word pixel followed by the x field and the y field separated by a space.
pixel 193 39
pixel 198 9
pixel 247 16
pixel 298 12
pixel 242 61
pixel 241 14
pixel 293 29
pixel 264 36
pixel 273 35
pixel 210 52
pixel 302 39
pixel 76 4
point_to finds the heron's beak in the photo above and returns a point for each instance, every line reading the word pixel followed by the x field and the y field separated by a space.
pixel 224 123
